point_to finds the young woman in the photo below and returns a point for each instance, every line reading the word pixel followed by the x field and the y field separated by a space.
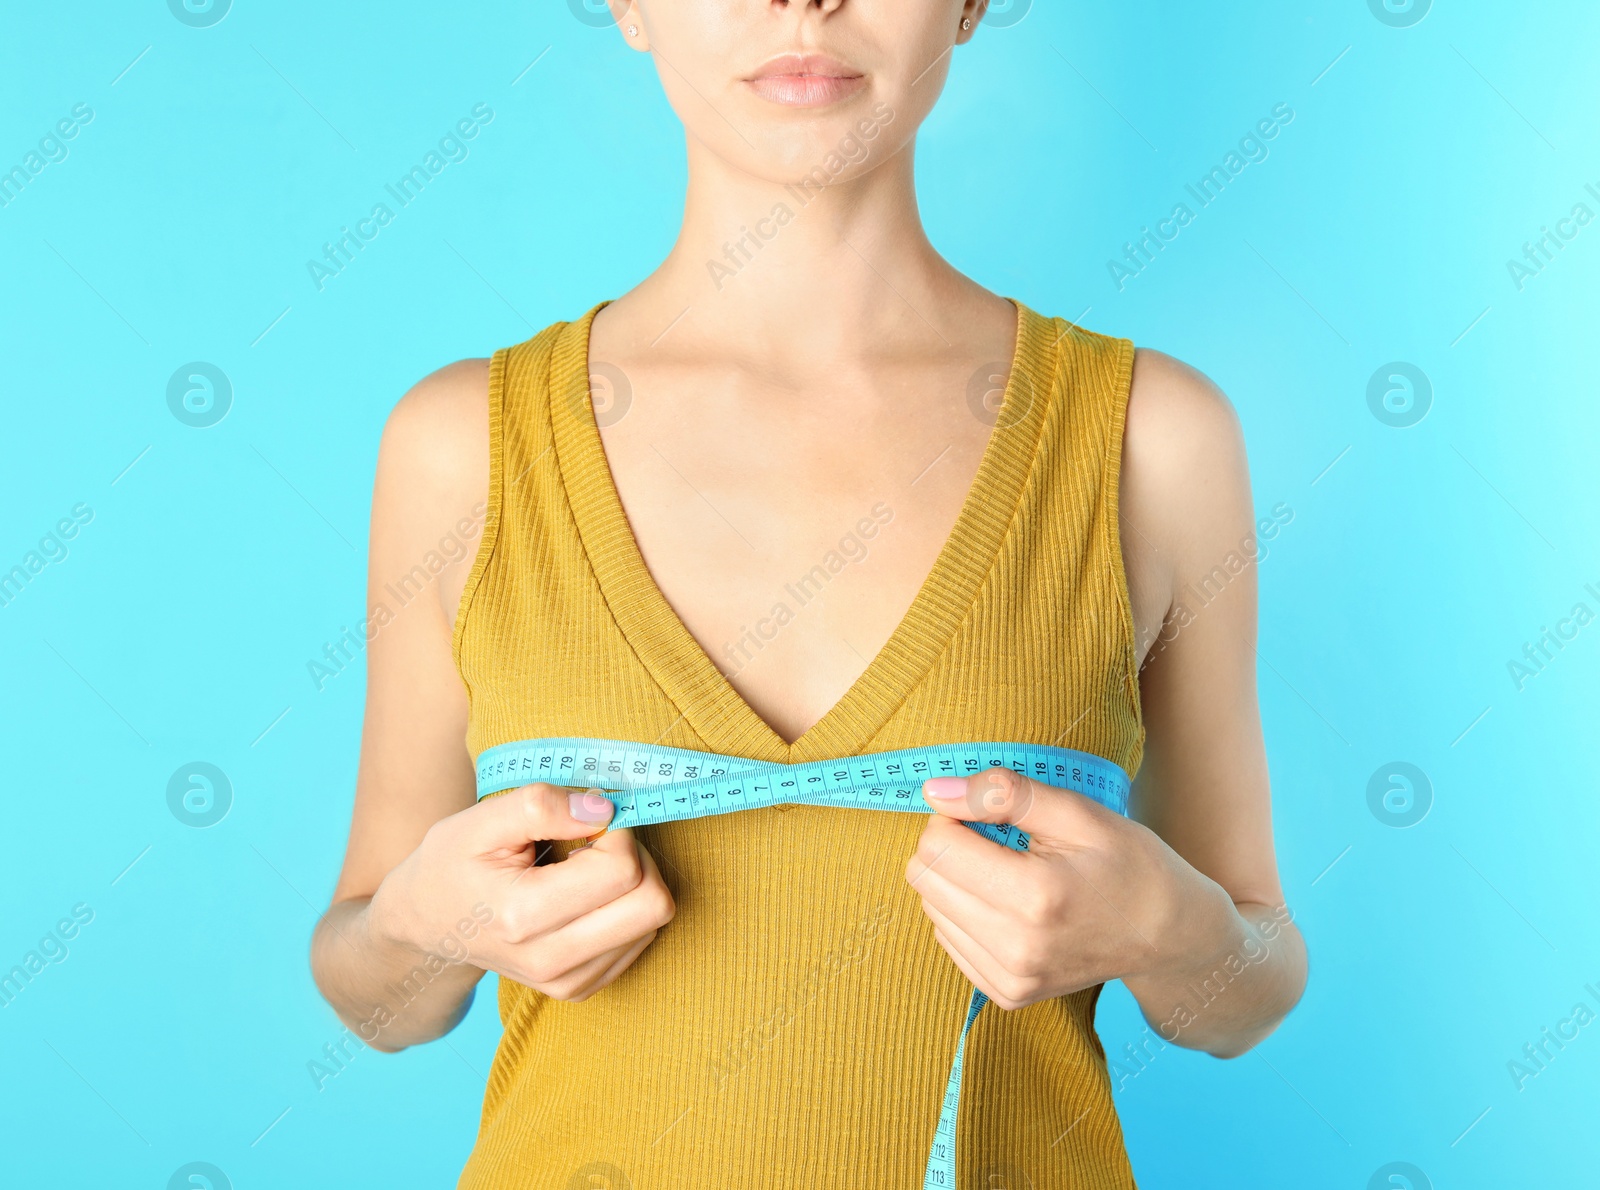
pixel 808 492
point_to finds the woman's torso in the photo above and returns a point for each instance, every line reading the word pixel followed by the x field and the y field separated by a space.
pixel 795 1022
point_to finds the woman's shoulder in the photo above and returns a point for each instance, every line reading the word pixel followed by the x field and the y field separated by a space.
pixel 1174 419
pixel 440 439
pixel 441 421
pixel 1182 443
pixel 433 458
pixel 433 476
pixel 454 399
pixel 1174 406
pixel 1185 479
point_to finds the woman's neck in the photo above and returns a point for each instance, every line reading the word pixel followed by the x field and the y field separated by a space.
pixel 808 270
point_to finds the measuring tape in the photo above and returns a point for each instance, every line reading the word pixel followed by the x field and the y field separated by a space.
pixel 649 784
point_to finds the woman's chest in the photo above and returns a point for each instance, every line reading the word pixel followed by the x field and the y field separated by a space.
pixel 789 541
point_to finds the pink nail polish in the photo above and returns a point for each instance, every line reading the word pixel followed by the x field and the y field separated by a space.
pixel 589 807
pixel 945 788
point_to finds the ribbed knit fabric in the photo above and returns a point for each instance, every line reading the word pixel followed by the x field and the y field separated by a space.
pixel 794 1024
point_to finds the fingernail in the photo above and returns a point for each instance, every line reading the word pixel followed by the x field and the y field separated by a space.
pixel 945 788
pixel 589 807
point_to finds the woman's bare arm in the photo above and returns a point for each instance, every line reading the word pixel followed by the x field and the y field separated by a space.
pixel 414 769
pixel 1181 902
pixel 436 888
pixel 1192 540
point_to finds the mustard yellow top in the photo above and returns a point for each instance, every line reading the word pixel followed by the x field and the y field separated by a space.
pixel 794 1025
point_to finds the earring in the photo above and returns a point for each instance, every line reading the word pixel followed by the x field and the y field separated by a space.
pixel 633 30
pixel 966 22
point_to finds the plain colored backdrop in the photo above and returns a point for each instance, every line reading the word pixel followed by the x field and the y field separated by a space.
pixel 210 563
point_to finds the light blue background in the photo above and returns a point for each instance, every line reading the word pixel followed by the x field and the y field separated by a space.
pixel 220 560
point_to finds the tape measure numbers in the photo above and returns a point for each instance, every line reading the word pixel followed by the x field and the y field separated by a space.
pixel 650 784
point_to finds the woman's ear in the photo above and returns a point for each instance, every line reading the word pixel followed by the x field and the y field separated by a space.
pixel 971 11
pixel 632 27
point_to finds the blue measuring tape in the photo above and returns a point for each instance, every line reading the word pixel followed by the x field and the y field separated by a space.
pixel 649 785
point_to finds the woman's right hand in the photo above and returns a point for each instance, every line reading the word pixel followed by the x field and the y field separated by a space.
pixel 565 929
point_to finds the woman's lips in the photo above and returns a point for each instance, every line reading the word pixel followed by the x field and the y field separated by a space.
pixel 806 80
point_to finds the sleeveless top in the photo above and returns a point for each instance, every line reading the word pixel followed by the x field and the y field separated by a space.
pixel 795 1023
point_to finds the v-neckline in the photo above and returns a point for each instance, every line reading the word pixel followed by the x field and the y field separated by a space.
pixel 708 702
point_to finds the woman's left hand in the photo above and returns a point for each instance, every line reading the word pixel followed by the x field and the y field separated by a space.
pixel 1095 897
